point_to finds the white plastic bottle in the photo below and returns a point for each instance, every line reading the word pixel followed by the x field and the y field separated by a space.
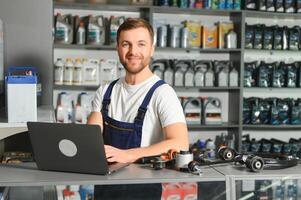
pixel 59 71
pixel 68 72
pixel 78 72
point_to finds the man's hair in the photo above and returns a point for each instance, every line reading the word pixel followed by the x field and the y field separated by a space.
pixel 133 23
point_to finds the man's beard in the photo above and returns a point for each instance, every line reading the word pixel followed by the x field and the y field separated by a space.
pixel 134 71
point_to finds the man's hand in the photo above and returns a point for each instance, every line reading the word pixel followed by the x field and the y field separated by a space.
pixel 119 155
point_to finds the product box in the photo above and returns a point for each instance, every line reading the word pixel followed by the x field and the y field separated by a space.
pixel 209 37
pixel 194 30
pixel 223 29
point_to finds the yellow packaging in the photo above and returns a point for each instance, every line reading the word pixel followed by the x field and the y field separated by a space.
pixel 223 29
pixel 209 37
pixel 194 34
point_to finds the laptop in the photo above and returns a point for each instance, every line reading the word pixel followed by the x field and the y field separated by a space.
pixel 70 148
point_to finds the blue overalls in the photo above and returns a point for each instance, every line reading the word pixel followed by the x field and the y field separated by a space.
pixel 125 135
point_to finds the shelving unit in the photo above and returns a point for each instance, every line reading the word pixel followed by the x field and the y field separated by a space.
pixel 233 95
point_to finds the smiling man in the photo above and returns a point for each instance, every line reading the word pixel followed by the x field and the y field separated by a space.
pixel 140 114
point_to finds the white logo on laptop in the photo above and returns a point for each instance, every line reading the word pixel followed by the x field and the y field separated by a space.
pixel 67 147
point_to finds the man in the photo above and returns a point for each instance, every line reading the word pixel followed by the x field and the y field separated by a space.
pixel 119 108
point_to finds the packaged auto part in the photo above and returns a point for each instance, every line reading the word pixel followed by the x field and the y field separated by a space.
pixel 162 36
pixel 207 4
pixel 249 37
pixel 268 38
pixel 212 111
pixel 173 36
pixel 233 76
pixel 277 145
pixel 200 68
pixel 209 76
pixel 295 147
pixel 279 5
pixel 115 22
pixel 258 36
pixel 209 37
pixel 59 71
pixel 266 146
pixel 91 72
pixel 279 76
pixel 108 70
pixel 68 72
pixel 223 29
pixel 229 4
pixel 283 106
pixel 249 74
pixel 264 74
pixel 294 38
pixel 250 4
pixel 215 4
pixel 237 5
pixel 221 69
pixel 289 6
pixel 63 29
pixel 222 4
pixel 192 107
pixel 291 74
pixel 231 40
pixel 168 74
pixel 184 37
pixel 194 34
pixel 275 120
pixel 278 38
pixel 254 146
pixel 158 67
pixel 198 4
pixel 78 72
pixel 182 4
pixel 270 6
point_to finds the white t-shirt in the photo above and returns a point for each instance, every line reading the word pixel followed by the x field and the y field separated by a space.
pixel 164 107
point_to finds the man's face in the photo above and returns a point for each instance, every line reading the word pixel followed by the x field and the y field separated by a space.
pixel 135 49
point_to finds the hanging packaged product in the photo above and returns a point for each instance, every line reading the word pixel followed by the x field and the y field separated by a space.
pixel 250 4
pixel 81 34
pixel 108 70
pixel 296 112
pixel 209 76
pixel 181 67
pixel 221 73
pixel 223 29
pixel 268 38
pixel 189 75
pixel 258 36
pixel 200 68
pixel 64 108
pixel 237 5
pixel 294 38
pixel 194 34
pixel 279 5
pixel 115 22
pixel 291 74
pixel 249 74
pixel 270 6
pixel 95 30
pixel 278 38
pixel 298 6
pixel 59 71
pixel 209 37
pixel 261 5
pixel 63 29
pixel 162 36
pixel 78 72
pixel 212 111
pixel 68 72
pixel 174 36
pixel 264 74
pixel 249 36
pixel 289 6
pixel 233 76
pixel 278 76
pixel 192 107
pixel 91 72
pixel 285 38
pixel 158 67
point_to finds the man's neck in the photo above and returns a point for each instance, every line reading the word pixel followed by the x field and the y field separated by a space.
pixel 134 79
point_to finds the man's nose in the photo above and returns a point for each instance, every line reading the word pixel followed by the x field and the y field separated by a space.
pixel 134 49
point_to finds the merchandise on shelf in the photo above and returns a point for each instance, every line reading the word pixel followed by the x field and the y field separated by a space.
pixel 108 70
pixel 287 6
pixel 115 22
pixel 212 110
pixel 209 36
pixel 63 29
pixel 199 4
pixel 192 107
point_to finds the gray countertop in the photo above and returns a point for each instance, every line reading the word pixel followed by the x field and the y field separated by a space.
pixel 27 174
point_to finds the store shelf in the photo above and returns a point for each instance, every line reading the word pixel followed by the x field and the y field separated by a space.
pixel 193 11
pixel 271 127
pixel 97 6
pixel 246 89
pixel 207 89
pixel 272 15
pixel 212 126
pixel 75 87
pixel 271 51
pixel 85 46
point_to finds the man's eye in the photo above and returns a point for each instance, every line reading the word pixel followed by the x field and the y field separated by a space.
pixel 125 45
pixel 141 44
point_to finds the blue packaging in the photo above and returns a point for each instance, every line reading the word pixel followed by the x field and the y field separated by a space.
pixel 237 5
pixel 207 4
pixel 229 4
pixel 222 4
